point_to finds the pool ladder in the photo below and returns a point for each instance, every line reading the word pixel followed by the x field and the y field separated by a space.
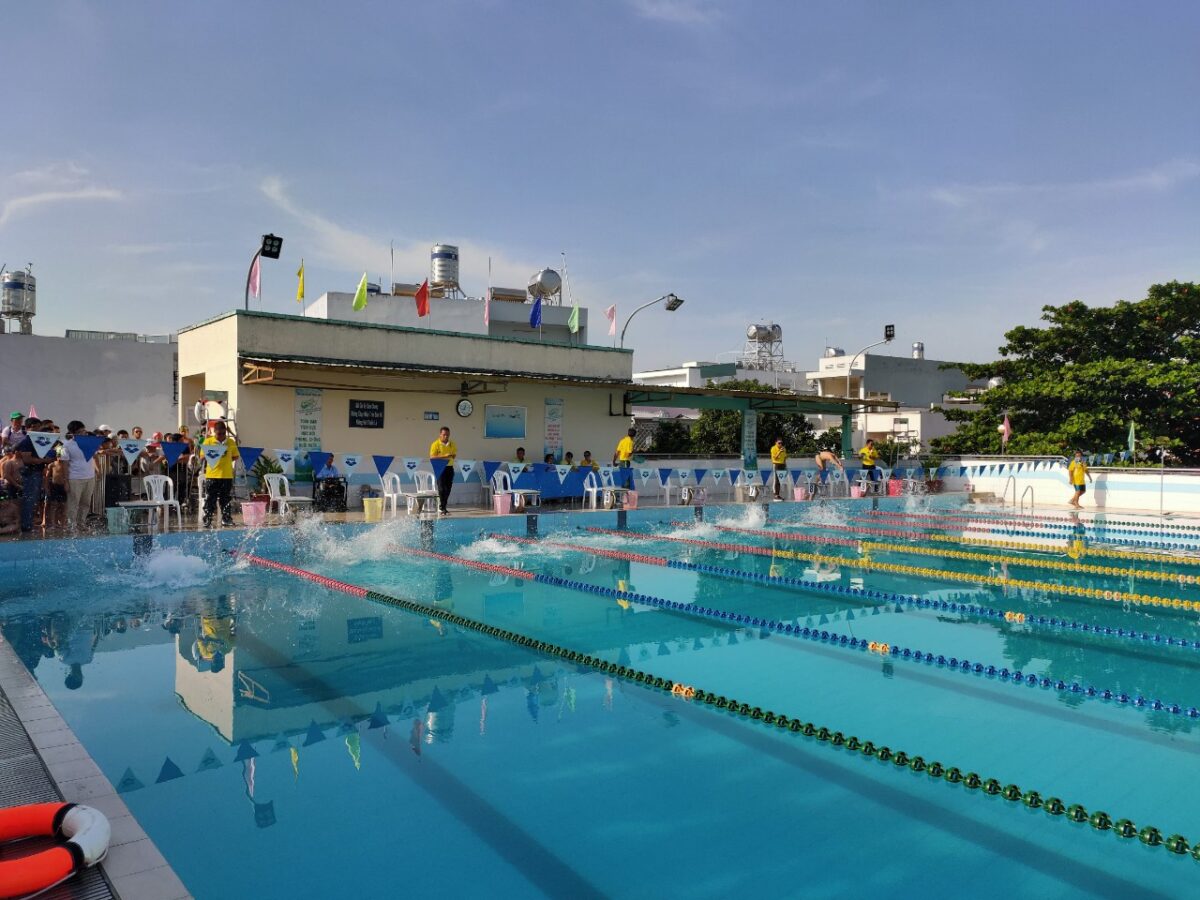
pixel 1028 492
pixel 1012 479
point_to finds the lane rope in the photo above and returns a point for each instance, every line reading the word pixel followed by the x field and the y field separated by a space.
pixel 986 787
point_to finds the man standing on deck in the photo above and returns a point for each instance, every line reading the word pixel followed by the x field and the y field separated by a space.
pixel 444 448
pixel 1077 471
pixel 218 474
pixel 779 461
pixel 623 457
pixel 869 456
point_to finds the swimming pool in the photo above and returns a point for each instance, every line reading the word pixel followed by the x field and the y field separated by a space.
pixel 469 708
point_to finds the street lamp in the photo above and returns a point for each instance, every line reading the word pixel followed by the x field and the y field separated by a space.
pixel 673 303
pixel 889 332
pixel 270 248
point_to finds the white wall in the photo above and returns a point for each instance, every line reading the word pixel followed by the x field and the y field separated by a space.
pixel 117 383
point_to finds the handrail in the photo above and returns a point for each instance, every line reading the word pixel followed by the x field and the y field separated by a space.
pixel 1028 490
pixel 1004 493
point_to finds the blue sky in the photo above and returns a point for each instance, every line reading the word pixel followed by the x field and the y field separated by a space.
pixel 949 167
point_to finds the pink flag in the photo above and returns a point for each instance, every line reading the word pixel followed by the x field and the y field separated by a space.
pixel 611 315
pixel 32 412
pixel 255 286
pixel 487 306
pixel 1005 430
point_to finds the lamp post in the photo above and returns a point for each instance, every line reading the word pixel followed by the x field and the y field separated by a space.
pixel 270 249
pixel 889 332
pixel 673 303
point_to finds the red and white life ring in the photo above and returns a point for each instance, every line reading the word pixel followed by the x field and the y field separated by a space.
pixel 84 833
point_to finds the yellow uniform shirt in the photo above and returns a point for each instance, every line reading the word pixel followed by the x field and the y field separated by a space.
pixel 447 451
pixel 869 455
pixel 625 449
pixel 1077 471
pixel 223 468
pixel 778 454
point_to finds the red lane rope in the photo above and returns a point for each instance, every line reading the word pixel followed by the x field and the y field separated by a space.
pixel 352 589
pixel 622 555
pixel 470 563
pixel 789 536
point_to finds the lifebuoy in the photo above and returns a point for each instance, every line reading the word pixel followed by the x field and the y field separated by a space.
pixel 85 833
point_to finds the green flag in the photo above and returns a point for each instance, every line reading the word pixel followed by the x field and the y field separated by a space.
pixel 360 296
pixel 1132 440
pixel 573 321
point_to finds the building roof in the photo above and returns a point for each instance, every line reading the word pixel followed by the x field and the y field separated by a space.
pixel 402 329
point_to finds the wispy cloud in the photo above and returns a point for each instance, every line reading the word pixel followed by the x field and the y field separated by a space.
pixel 1157 178
pixel 345 248
pixel 678 12
pixel 19 206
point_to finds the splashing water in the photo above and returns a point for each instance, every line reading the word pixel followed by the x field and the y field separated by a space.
pixel 323 543
pixel 169 567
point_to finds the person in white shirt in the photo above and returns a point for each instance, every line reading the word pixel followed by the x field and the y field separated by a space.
pixel 82 478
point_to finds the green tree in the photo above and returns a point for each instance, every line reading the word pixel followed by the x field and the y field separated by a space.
pixel 671 436
pixel 1080 381
pixel 719 431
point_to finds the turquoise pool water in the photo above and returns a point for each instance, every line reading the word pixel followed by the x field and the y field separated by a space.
pixel 278 738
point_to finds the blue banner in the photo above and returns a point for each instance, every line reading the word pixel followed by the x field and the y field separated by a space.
pixel 249 455
pixel 439 464
pixel 88 444
pixel 382 463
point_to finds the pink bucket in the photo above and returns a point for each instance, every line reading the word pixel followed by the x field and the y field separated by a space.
pixel 254 513
pixel 631 499
pixel 895 487
pixel 502 504
pixel 799 493
pixel 856 490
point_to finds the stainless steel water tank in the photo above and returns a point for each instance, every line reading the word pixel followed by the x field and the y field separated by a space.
pixel 834 351
pixel 18 294
pixel 918 350
pixel 758 333
pixel 545 283
pixel 443 266
pixel 995 382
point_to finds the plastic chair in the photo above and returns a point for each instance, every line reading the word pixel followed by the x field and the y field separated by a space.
pixel 160 489
pixel 667 489
pixel 424 489
pixel 914 481
pixel 281 496
pixel 502 484
pixel 390 482
pixel 600 488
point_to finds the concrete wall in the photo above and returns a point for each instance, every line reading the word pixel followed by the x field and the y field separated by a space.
pixel 117 383
pixel 506 318
pixel 912 382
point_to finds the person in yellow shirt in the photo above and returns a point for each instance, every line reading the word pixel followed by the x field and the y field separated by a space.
pixel 1077 472
pixel 623 456
pixel 444 448
pixel 779 461
pixel 869 456
pixel 218 473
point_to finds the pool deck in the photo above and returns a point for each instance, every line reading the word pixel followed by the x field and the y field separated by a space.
pixel 41 761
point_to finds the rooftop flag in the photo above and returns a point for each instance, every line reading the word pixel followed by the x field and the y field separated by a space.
pixel 611 315
pixel 535 315
pixel 300 286
pixel 255 279
pixel 422 298
pixel 360 295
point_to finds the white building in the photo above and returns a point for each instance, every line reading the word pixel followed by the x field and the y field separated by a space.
pixel 699 374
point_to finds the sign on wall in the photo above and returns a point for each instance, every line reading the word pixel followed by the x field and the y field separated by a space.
pixel 308 418
pixel 503 421
pixel 554 428
pixel 366 413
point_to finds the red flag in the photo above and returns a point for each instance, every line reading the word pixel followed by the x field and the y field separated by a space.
pixel 422 298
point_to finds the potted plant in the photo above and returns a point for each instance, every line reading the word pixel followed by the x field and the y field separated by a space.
pixel 264 466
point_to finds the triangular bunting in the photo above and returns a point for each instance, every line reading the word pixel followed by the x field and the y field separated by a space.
pixel 699 474
pixel 664 476
pixel 606 472
pixel 245 751
pixel 318 459
pixel 734 475
pixel 490 467
pixel 718 475
pixel 286 458
pixel 563 472
pixel 411 463
pixel 685 475
pixel 439 464
pixel 212 453
pixel 749 476
pixel 171 451
pixel 437 701
pixel 379 718
pixel 489 686
pixel 765 474
pixel 645 475
pixel 209 761
pixel 169 772
pixel 465 468
pixel 351 462
pixel 314 734
pixel 44 441
pixel 89 444
pixel 129 782
pixel 382 463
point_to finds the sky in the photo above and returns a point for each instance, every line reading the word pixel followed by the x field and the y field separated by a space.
pixel 947 167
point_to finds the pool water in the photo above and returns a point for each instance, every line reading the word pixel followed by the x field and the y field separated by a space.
pixel 276 737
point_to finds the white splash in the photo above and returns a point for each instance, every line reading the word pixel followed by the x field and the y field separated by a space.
pixel 323 543
pixel 170 567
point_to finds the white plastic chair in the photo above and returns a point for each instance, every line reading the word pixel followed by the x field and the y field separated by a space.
pixel 424 490
pixel 160 489
pixel 502 484
pixel 601 488
pixel 281 496
pixel 668 489
pixel 390 482
pixel 914 481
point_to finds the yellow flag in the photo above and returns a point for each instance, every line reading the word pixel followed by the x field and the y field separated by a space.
pixel 300 286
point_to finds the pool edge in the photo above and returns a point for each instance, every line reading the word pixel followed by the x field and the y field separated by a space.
pixel 134 868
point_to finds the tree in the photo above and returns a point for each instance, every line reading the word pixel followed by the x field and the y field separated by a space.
pixel 719 431
pixel 1081 380
pixel 671 436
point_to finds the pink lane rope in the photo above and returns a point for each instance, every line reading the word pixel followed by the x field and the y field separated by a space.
pixel 470 563
pixel 622 555
pixel 332 583
pixel 790 536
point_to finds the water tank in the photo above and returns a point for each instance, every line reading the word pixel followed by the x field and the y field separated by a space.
pixel 834 351
pixel 758 333
pixel 443 266
pixel 918 350
pixel 373 288
pixel 545 283
pixel 995 382
pixel 776 332
pixel 18 294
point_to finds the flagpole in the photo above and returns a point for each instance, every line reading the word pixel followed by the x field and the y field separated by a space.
pixel 392 271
